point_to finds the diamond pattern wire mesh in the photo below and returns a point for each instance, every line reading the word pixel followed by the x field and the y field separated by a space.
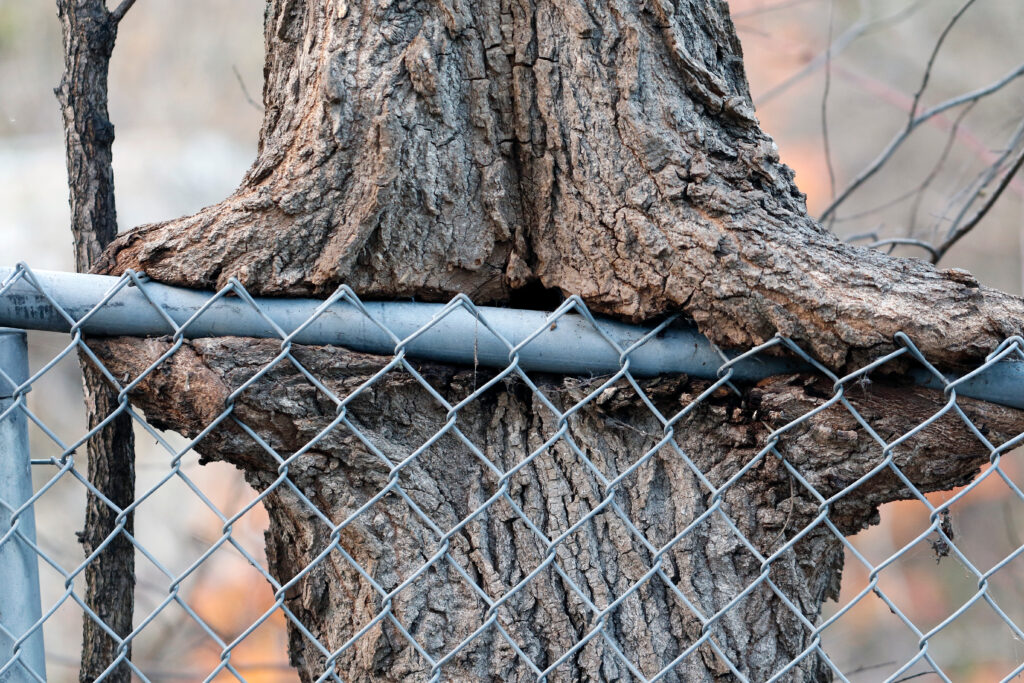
pixel 59 461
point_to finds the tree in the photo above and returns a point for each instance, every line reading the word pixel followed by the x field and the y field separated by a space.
pixel 88 31
pixel 515 152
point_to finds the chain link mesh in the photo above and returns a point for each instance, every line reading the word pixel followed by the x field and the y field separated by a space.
pixel 58 466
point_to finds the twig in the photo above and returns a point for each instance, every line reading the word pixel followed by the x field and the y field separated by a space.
pixel 916 193
pixel 910 241
pixel 930 178
pixel 824 103
pixel 913 676
pixel 911 124
pixel 875 209
pixel 987 176
pixel 932 57
pixel 902 101
pixel 861 236
pixel 968 194
pixel 958 234
pixel 870 667
pixel 118 14
pixel 920 90
pixel 245 91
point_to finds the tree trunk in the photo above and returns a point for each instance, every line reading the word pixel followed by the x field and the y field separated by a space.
pixel 89 31
pixel 503 148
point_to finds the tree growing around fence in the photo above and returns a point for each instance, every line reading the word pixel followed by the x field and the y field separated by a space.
pixel 517 152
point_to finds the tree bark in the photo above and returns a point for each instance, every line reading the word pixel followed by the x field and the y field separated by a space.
pixel 89 31
pixel 503 148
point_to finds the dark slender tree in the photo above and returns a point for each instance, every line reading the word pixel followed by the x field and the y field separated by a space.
pixel 89 31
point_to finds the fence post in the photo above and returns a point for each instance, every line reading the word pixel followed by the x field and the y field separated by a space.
pixel 20 606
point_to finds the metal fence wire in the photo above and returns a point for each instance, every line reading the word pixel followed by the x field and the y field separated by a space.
pixel 924 584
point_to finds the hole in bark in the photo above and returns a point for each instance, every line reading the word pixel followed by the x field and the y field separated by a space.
pixel 536 297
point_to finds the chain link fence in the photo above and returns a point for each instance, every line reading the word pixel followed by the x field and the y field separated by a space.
pixel 434 489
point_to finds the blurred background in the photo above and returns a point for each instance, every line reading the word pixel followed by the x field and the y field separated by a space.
pixel 184 77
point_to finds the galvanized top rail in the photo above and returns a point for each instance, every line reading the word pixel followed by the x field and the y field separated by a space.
pixel 567 341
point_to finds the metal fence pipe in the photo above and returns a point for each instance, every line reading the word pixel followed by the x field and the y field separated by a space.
pixel 570 345
pixel 20 606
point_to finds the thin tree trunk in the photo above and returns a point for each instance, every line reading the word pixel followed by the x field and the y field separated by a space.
pixel 506 148
pixel 89 31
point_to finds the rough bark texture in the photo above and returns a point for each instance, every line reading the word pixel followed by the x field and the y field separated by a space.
pixel 110 577
pixel 89 31
pixel 607 149
pixel 709 566
pixel 601 148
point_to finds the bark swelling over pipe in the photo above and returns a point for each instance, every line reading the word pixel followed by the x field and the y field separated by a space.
pixel 604 150
pixel 568 344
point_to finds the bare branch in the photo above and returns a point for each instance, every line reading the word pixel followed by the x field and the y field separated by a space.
pixel 931 59
pixel 893 242
pixel 871 667
pixel 245 91
pixel 957 233
pixel 913 676
pixel 118 14
pixel 824 102
pixel 912 125
pixel 916 193
pixel 988 176
pixel 934 173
